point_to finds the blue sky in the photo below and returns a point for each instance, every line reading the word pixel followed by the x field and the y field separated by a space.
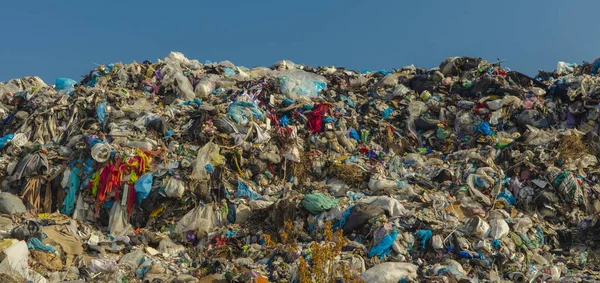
pixel 65 38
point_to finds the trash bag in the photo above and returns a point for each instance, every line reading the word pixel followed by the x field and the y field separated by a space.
pixel 298 84
pixel 317 203
pixel 361 214
pixel 143 186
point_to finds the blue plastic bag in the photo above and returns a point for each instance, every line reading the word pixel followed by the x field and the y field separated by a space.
pixel 36 244
pixel 243 191
pixel 354 134
pixel 342 222
pixel 74 183
pixel 101 112
pixel 508 196
pixel 143 187
pixel 424 235
pixel 596 66
pixel 284 121
pixel 64 84
pixel 5 139
pixel 484 128
pixel 242 112
pixel 383 247
pixel 229 72
pixel 387 113
pixel 94 80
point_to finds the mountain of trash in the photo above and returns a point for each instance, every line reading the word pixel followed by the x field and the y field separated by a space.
pixel 178 171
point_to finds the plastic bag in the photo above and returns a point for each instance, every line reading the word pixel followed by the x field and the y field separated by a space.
pixel 175 188
pixel 117 223
pixel 317 203
pixel 563 68
pixel 392 206
pixel 172 72
pixel 11 204
pixel 298 84
pixel 101 152
pixel 205 87
pixel 166 246
pixel 382 248
pixel 64 84
pixel 133 259
pixel 243 112
pixel 101 112
pixel 244 191
pixel 142 186
pixel 36 244
pixel 16 260
pixel 81 211
pixel 5 139
pixel 74 183
pixel 208 154
pixel 390 272
pixel 200 220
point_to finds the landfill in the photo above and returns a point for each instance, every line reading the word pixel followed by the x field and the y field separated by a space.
pixel 181 171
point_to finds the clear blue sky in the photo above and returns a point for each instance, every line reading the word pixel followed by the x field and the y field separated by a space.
pixel 64 38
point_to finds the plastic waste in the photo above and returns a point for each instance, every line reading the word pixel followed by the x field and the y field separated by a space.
pixel 101 152
pixel 200 220
pixel 133 259
pixel 390 272
pixel 317 203
pixel 11 204
pixel 384 246
pixel 143 185
pixel 244 191
pixel 175 188
pixel 243 112
pixel 297 84
pixel 208 154
pixel 74 183
pixel 64 84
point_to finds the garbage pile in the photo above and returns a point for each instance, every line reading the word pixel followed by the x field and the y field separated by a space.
pixel 181 171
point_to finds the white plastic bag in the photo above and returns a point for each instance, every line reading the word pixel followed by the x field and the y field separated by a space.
pixel 175 188
pixel 205 87
pixel 392 206
pixel 15 262
pixel 298 84
pixel 390 272
pixel 172 72
pixel 117 223
pixel 133 259
pixel 201 220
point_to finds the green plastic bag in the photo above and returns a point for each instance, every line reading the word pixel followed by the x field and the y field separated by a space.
pixel 317 203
